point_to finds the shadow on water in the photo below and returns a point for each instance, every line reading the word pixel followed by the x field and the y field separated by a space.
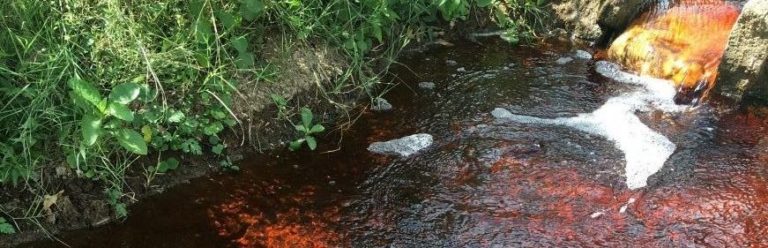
pixel 484 183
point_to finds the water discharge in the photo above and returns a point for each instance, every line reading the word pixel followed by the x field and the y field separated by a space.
pixel 682 41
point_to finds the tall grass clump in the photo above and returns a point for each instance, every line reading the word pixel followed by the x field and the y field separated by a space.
pixel 94 85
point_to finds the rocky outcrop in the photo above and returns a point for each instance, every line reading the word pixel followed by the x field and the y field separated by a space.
pixel 592 20
pixel 744 69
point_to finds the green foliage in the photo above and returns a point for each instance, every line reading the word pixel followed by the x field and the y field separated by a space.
pixel 167 165
pixel 102 83
pixel 113 197
pixel 307 130
pixel 5 227
pixel 110 116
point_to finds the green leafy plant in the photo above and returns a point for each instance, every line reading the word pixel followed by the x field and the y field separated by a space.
pixel 108 116
pixel 307 130
pixel 113 197
pixel 5 227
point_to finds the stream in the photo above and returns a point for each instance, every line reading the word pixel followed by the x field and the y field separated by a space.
pixel 486 181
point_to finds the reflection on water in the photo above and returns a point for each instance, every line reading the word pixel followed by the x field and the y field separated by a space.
pixel 485 183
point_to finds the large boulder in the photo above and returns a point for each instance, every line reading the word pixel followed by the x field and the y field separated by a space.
pixel 743 69
pixel 592 20
pixel 617 15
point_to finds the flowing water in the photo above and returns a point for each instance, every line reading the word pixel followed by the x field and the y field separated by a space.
pixel 680 40
pixel 486 182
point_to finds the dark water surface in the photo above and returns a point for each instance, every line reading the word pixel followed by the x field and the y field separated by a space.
pixel 484 183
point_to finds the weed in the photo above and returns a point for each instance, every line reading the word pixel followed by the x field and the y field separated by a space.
pixel 5 227
pixel 307 130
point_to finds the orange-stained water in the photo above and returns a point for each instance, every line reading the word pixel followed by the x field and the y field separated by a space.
pixel 484 183
pixel 683 43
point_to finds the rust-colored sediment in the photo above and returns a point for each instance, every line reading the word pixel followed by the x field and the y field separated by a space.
pixel 684 43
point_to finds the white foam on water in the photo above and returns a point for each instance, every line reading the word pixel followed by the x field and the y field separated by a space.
pixel 645 150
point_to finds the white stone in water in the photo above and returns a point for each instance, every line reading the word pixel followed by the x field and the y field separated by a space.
pixel 403 147
pixel 427 85
pixel 645 150
pixel 501 113
pixel 581 54
pixel 564 60
pixel 381 105
pixel 597 214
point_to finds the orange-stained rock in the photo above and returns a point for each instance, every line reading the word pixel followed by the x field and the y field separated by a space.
pixel 684 43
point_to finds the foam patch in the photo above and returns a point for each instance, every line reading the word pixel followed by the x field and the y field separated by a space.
pixel 645 150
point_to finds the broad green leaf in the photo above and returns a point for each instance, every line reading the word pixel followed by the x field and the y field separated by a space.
pixel 5 227
pixel 131 141
pixel 91 129
pixel 213 128
pixel 228 20
pixel 213 140
pixel 147 132
pixel 311 142
pixel 203 59
pixel 296 145
pixel 176 117
pixel 121 210
pixel 124 93
pixel 218 114
pixel 192 146
pixel 301 128
pixel 196 7
pixel 484 3
pixel 240 44
pixel 85 91
pixel 146 94
pixel 245 60
pixel 250 9
pixel 217 149
pixel 120 111
pixel 317 129
pixel 167 165
pixel 377 32
pixel 204 31
pixel 306 117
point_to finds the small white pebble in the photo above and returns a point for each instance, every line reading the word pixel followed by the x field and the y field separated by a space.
pixel 597 214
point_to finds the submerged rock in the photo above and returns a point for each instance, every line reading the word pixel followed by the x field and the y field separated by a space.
pixel 427 85
pixel 403 147
pixel 461 69
pixel 581 54
pixel 451 62
pixel 564 60
pixel 381 105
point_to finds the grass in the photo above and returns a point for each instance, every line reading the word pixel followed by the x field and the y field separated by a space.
pixel 92 86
